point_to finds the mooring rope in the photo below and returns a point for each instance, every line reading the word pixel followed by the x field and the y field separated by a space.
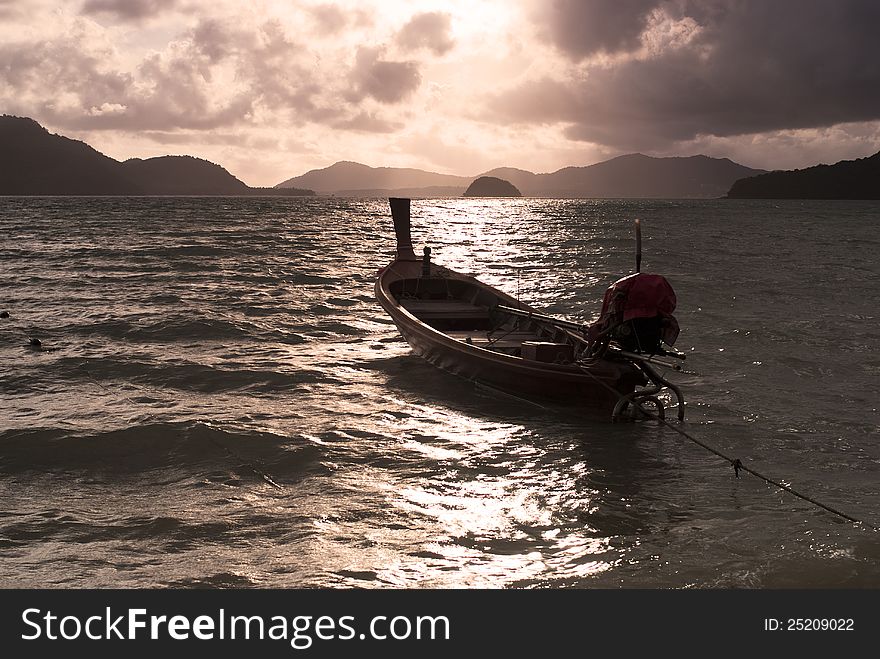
pixel 738 466
pixel 736 463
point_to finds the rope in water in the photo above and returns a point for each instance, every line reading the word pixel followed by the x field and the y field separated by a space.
pixel 736 463
pixel 738 466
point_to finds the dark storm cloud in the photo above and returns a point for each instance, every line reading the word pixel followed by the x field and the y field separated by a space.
pixel 746 66
pixel 213 40
pixel 128 9
pixel 584 28
pixel 428 30
pixel 385 81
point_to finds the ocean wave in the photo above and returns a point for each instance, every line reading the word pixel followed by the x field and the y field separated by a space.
pixel 174 329
pixel 191 451
pixel 181 329
pixel 182 251
pixel 190 376
pixel 305 278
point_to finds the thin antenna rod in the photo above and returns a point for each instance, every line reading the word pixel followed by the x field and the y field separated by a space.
pixel 638 246
pixel 518 273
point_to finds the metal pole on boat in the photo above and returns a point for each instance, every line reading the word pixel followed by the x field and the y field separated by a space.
pixel 533 315
pixel 518 273
pixel 638 246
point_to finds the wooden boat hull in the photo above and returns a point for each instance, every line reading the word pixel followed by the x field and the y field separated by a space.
pixel 595 385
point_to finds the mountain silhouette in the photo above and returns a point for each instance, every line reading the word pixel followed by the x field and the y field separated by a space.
pixel 638 175
pixel 633 175
pixel 520 178
pixel 34 161
pixel 847 179
pixel 353 177
pixel 182 175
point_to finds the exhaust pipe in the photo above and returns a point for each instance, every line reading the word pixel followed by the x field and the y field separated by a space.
pixel 401 215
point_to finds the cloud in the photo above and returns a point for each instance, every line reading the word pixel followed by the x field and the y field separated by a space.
pixel 686 69
pixel 107 109
pixel 60 77
pixel 215 40
pixel 128 10
pixel 219 74
pixel 73 81
pixel 267 65
pixel 385 81
pixel 582 28
pixel 329 19
pixel 793 149
pixel 429 30
pixel 533 83
pixel 367 122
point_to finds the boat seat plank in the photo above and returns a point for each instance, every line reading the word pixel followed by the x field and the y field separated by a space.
pixel 435 309
pixel 498 340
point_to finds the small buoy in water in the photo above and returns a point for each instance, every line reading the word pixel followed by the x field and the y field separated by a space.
pixel 35 343
pixel 4 314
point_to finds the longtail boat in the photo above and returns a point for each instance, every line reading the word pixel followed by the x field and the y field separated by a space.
pixel 480 333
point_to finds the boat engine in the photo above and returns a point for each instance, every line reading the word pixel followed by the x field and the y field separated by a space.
pixel 637 318
pixel 636 315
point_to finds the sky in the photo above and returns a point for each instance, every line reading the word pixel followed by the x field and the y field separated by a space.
pixel 273 88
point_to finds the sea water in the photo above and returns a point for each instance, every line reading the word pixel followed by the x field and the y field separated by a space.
pixel 218 400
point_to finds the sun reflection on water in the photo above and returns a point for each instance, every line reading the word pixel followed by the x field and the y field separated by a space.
pixel 493 506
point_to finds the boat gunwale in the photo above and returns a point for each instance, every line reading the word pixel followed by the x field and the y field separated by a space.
pixel 576 371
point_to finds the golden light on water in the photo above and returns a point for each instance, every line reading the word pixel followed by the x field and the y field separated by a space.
pixel 477 485
pixel 484 500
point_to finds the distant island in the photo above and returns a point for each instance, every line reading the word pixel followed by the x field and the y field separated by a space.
pixel 491 186
pixel 36 162
pixel 847 179
pixel 634 175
